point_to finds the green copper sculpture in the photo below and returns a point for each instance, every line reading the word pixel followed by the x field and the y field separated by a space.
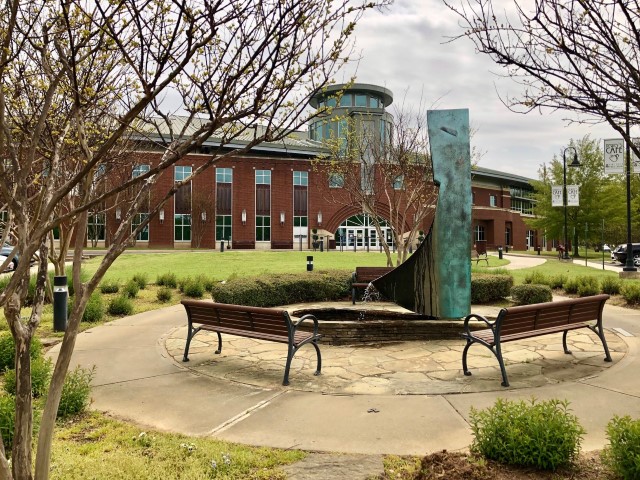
pixel 436 280
pixel 451 157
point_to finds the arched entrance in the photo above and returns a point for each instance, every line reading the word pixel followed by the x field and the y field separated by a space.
pixel 358 232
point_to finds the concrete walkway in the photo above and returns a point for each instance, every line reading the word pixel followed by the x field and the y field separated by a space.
pixel 401 399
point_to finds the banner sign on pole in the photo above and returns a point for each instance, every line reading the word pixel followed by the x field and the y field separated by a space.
pixel 635 160
pixel 614 156
pixel 573 196
pixel 556 196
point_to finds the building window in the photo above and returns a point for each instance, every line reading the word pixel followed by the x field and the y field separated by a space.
pixel 301 178
pixel 346 100
pixel 336 180
pixel 224 175
pixel 96 227
pixel 182 227
pixel 398 182
pixel 182 203
pixel 139 170
pixel 300 221
pixel 263 177
pixel 492 201
pixel 263 228
pixel 478 233
pixel 138 219
pixel 361 100
pixel 374 102
pixel 223 227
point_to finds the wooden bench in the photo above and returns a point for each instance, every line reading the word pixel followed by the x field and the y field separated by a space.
pixel 363 276
pixel 517 323
pixel 262 323
pixel 478 257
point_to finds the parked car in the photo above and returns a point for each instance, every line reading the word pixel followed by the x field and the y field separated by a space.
pixel 5 251
pixel 621 254
pixel 614 251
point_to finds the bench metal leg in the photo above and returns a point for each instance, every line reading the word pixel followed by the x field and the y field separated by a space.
pixel 318 356
pixel 290 354
pixel 497 352
pixel 564 342
pixel 219 344
pixel 190 334
pixel 600 333
pixel 353 295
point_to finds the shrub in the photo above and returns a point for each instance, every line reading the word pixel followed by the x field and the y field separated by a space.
pixel 40 377
pixel 141 280
pixel 193 288
pixel 588 286
pixel 7 420
pixel 164 294
pixel 489 288
pixel 537 434
pixel 631 293
pixel 207 282
pixel 95 309
pixel 557 281
pixel 167 280
pixel 7 350
pixel 610 285
pixel 572 285
pixel 271 290
pixel 109 287
pixel 535 277
pixel 120 305
pixel 131 289
pixel 76 392
pixel 529 294
pixel 622 454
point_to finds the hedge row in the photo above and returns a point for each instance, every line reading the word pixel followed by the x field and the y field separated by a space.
pixel 489 288
pixel 271 290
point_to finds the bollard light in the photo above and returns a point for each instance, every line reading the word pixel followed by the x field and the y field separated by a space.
pixel 309 263
pixel 60 299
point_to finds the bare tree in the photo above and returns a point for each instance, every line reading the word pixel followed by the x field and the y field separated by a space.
pixel 77 78
pixel 388 172
pixel 576 55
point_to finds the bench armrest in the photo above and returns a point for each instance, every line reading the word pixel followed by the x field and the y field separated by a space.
pixel 354 277
pixel 475 316
pixel 307 317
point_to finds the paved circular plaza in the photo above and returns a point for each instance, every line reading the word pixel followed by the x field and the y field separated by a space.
pixel 397 368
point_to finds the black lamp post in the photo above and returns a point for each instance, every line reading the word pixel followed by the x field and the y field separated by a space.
pixel 574 163
pixel 628 264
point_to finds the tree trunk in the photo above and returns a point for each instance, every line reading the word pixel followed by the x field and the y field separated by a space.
pixel 22 440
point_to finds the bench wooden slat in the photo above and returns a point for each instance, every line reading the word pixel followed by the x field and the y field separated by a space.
pixel 269 324
pixel 518 323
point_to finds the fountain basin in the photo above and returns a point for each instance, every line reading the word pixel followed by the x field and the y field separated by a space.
pixel 343 326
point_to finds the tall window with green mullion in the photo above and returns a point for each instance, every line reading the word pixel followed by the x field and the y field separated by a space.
pixel 263 228
pixel 223 227
pixel 138 219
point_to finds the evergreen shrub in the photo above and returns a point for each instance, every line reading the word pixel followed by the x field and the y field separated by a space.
pixel 571 285
pixel 270 290
pixel 164 294
pixel 109 286
pixel 489 288
pixel 7 420
pixel 94 312
pixel 631 293
pixel 610 285
pixel 588 286
pixel 543 435
pixel 536 277
pixel 141 280
pixel 120 305
pixel 167 280
pixel 530 294
pixel 557 281
pixel 193 288
pixel 131 289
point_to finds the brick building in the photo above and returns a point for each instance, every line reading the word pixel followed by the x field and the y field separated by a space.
pixel 275 198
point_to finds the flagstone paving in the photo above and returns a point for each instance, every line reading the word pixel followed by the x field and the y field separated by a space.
pixel 397 368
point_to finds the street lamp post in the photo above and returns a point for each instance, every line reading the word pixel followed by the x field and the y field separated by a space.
pixel 628 264
pixel 574 163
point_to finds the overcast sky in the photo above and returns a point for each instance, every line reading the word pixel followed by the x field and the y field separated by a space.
pixel 404 49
